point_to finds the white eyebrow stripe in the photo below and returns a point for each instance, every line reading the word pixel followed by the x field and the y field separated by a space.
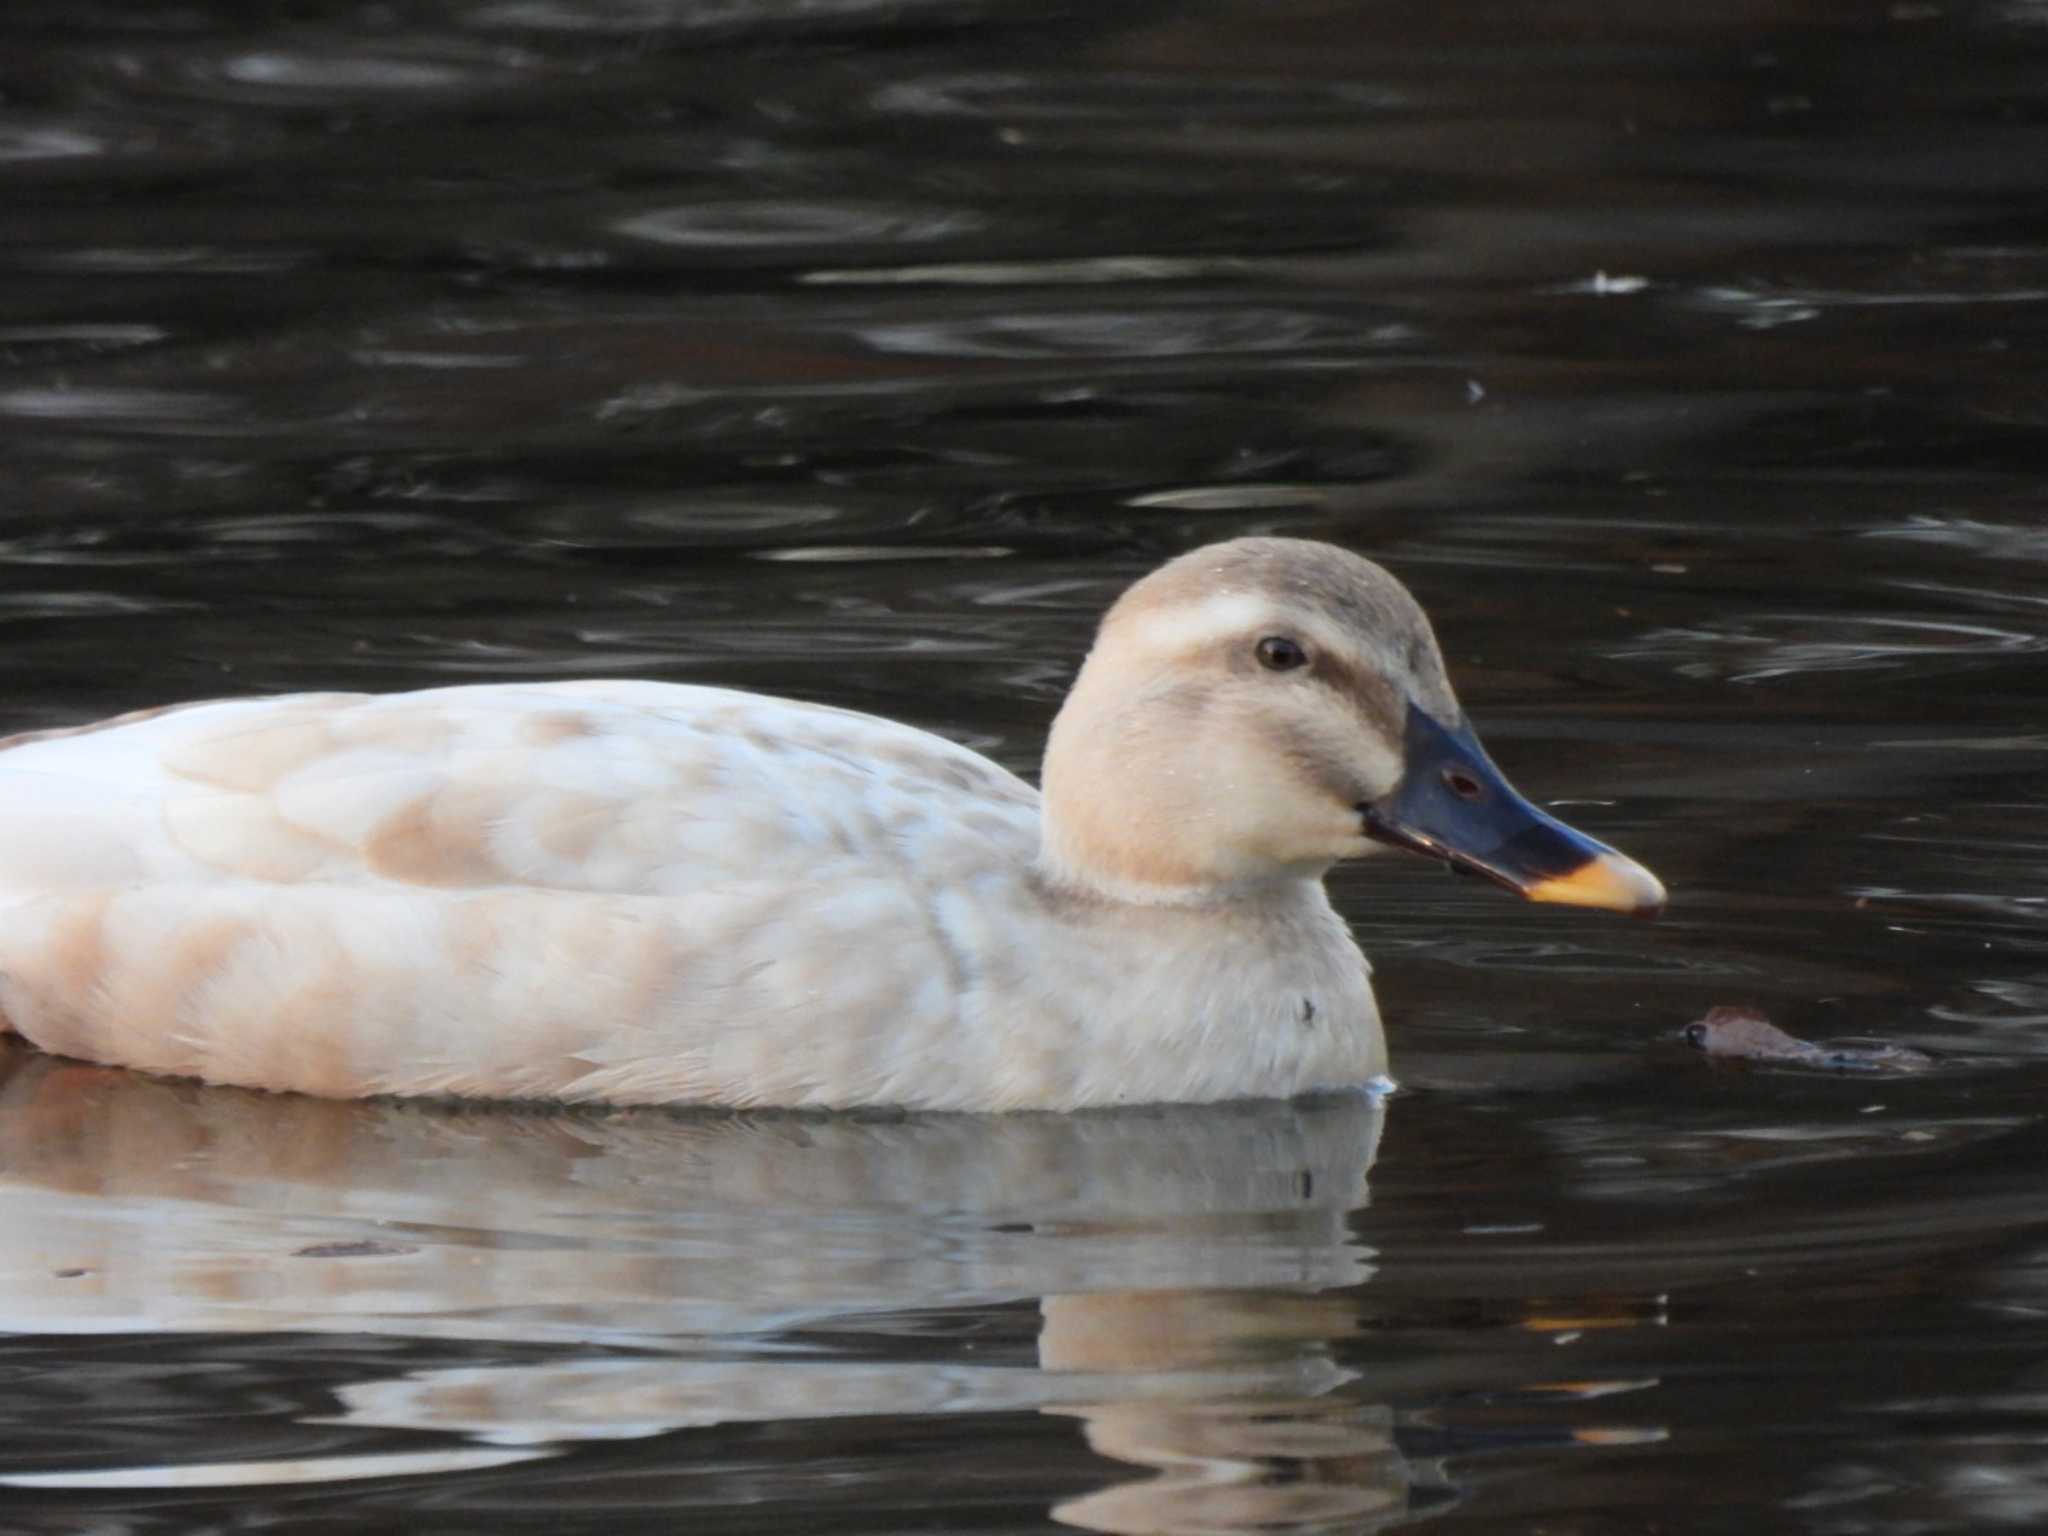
pixel 1184 628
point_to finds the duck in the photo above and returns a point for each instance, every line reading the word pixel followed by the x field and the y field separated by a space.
pixel 633 892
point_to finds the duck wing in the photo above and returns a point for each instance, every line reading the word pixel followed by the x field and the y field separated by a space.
pixel 626 891
pixel 631 788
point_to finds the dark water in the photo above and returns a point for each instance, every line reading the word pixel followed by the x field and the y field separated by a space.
pixel 1687 361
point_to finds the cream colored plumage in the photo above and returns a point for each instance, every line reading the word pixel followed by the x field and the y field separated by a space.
pixel 642 892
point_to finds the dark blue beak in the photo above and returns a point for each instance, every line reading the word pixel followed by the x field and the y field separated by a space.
pixel 1453 804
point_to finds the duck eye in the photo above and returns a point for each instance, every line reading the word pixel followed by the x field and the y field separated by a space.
pixel 1461 784
pixel 1277 653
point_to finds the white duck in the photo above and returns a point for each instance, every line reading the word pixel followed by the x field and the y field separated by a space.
pixel 644 892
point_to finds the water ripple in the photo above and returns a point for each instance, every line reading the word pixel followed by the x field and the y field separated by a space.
pixel 130 407
pixel 634 17
pixel 307 68
pixel 1248 497
pixel 337 72
pixel 691 520
pixel 1134 97
pixel 1761 309
pixel 48 141
pixel 2021 1006
pixel 1987 904
pixel 1119 332
pixel 769 223
pixel 68 606
pixel 815 554
pixel 1555 957
pixel 1993 541
pixel 46 341
pixel 1787 645
pixel 276 1473
pixel 1057 272
pixel 127 260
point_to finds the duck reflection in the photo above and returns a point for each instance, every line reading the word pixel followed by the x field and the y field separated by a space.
pixel 1181 1260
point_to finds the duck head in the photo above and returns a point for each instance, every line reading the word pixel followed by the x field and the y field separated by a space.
pixel 1259 709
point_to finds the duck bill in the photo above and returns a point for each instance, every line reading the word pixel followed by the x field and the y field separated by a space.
pixel 1454 805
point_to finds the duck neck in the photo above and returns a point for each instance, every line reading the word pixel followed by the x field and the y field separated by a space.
pixel 1087 880
pixel 1129 815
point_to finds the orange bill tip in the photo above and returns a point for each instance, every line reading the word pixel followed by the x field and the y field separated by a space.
pixel 1608 880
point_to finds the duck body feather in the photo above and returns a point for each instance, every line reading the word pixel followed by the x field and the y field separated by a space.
pixel 632 892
